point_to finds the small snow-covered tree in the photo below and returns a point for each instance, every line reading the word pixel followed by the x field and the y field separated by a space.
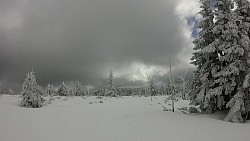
pixel 63 91
pixel 111 86
pixel 78 90
pixel 168 88
pixel 30 93
pixel 152 88
pixel 50 90
pixel 111 83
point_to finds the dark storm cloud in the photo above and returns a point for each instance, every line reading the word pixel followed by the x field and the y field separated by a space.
pixel 83 40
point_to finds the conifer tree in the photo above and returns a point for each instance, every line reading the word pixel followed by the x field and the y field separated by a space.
pixel 49 90
pixel 50 93
pixel 78 90
pixel 111 86
pixel 225 85
pixel 152 88
pixel 30 93
pixel 243 10
pixel 63 91
pixel 237 56
pixel 221 87
pixel 205 59
pixel 229 80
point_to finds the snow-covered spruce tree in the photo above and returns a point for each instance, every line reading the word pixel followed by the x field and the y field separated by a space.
pixel 78 90
pixel 206 61
pixel 50 90
pixel 243 10
pixel 50 93
pixel 228 87
pixel 236 57
pixel 228 76
pixel 30 93
pixel 111 86
pixel 152 88
pixel 63 91
pixel 223 83
pixel 168 88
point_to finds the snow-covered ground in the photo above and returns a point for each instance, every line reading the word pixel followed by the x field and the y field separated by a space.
pixel 116 119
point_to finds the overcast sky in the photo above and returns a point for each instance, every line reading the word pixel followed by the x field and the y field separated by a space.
pixel 70 40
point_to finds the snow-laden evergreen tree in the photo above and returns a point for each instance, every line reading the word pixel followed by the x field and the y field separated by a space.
pixel 63 91
pixel 78 90
pixel 243 11
pixel 221 87
pixel 152 88
pixel 50 90
pixel 30 93
pixel 233 54
pixel 49 93
pixel 111 86
pixel 168 88
pixel 227 85
pixel 236 56
pixel 205 59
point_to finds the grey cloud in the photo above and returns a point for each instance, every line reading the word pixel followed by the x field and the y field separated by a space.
pixel 77 40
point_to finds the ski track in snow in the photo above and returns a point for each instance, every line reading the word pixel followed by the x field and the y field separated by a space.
pixel 138 130
pixel 123 130
pixel 107 131
pixel 120 130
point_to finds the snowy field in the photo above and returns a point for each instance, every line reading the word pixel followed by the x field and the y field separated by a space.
pixel 116 119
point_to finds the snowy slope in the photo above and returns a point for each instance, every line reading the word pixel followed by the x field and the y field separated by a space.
pixel 117 119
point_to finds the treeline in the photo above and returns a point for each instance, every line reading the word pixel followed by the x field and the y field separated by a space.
pixel 181 88
pixel 33 95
